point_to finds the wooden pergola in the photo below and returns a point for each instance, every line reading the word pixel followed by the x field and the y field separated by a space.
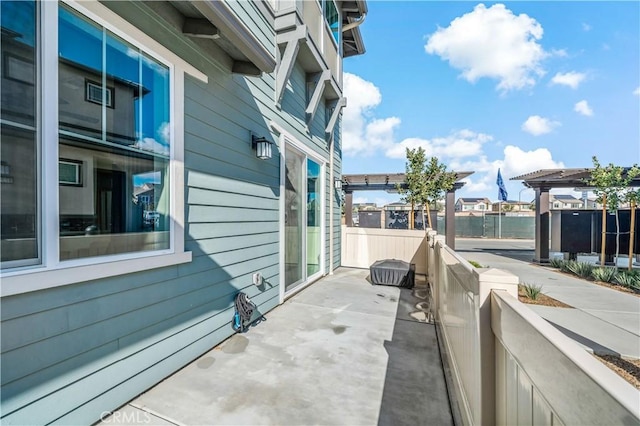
pixel 389 182
pixel 541 182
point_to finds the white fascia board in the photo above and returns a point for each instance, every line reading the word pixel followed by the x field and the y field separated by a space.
pixel 234 30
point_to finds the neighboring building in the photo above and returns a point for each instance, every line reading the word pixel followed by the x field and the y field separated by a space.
pixel 513 206
pixel 561 201
pixel 134 205
pixel 472 204
pixel 364 206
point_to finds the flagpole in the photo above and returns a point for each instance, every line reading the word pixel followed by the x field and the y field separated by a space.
pixel 500 220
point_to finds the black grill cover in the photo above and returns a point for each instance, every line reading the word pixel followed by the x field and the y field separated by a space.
pixel 393 272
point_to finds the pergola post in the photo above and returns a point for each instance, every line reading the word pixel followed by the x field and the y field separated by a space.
pixel 450 218
pixel 542 225
pixel 348 207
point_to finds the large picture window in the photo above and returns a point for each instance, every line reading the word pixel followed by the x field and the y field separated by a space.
pixel 124 144
pixel 91 146
pixel 19 199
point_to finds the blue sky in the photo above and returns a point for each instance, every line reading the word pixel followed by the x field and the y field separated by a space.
pixel 520 86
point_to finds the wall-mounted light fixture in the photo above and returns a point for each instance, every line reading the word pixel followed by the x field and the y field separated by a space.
pixel 337 183
pixel 262 146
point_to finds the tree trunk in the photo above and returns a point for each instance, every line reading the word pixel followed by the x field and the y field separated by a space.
pixel 604 230
pixel 632 232
pixel 429 216
pixel 411 221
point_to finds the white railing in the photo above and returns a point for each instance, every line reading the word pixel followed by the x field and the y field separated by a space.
pixel 508 365
pixel 362 246
pixel 463 312
pixel 543 378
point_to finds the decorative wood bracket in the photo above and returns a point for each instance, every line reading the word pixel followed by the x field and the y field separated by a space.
pixel 323 79
pixel 288 59
pixel 331 124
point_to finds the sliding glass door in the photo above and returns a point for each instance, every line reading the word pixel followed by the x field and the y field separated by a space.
pixel 302 218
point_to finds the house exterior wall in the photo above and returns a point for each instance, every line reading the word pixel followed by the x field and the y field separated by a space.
pixel 73 352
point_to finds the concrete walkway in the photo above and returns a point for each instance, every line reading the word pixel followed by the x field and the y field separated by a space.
pixel 341 352
pixel 604 321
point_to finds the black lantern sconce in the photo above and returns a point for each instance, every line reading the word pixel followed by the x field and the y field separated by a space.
pixel 262 146
pixel 337 184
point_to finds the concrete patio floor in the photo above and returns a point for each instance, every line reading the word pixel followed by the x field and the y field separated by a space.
pixel 341 352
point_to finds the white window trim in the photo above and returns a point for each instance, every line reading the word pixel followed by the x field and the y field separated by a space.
pixel 52 272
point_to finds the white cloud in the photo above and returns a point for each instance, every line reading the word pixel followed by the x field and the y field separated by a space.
pixel 583 108
pixel 586 27
pixel 571 79
pixel 515 162
pixel 365 135
pixel 537 125
pixel 518 162
pixel 150 144
pixel 560 53
pixel 637 91
pixel 459 144
pixel 492 42
pixel 362 134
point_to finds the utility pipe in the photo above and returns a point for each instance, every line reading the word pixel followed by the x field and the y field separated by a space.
pixel 352 25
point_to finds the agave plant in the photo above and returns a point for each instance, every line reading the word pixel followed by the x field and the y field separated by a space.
pixel 581 269
pixel 556 262
pixel 604 274
pixel 566 265
pixel 532 291
pixel 627 280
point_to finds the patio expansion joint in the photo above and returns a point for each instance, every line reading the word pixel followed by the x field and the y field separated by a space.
pixel 381 315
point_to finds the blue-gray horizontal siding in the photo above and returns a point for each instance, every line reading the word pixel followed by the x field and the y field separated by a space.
pixel 72 352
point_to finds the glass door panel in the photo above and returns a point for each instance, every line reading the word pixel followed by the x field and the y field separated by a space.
pixel 313 218
pixel 294 217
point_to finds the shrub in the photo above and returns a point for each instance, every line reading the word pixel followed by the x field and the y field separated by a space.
pixel 532 291
pixel 581 269
pixel 556 262
pixel 627 280
pixel 565 265
pixel 475 264
pixel 604 274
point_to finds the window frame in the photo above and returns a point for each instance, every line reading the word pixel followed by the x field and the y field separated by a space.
pixel 327 26
pixel 109 90
pixel 50 272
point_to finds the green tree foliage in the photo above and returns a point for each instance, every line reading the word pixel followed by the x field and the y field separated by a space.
pixel 427 180
pixel 612 187
pixel 414 169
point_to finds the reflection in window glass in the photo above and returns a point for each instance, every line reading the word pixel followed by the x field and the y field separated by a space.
pixel 333 18
pixel 121 141
pixel 314 238
pixel 18 140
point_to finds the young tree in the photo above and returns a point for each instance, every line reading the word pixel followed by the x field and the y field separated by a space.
pixel 414 170
pixel 438 182
pixel 426 182
pixel 611 186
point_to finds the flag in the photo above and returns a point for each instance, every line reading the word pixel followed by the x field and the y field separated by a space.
pixel 502 191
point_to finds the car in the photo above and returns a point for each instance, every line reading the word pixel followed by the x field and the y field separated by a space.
pixel 151 217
